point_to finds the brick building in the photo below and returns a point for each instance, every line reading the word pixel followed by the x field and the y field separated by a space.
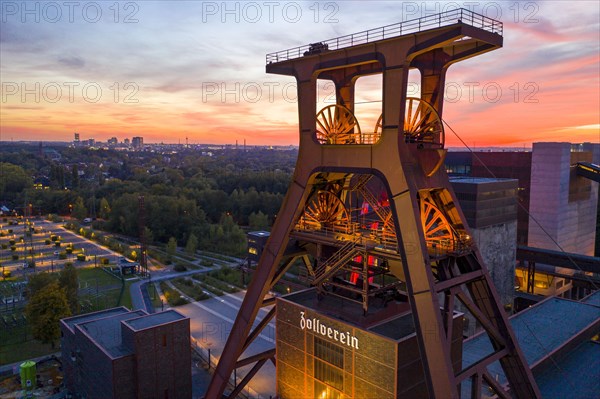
pixel 329 348
pixel 120 353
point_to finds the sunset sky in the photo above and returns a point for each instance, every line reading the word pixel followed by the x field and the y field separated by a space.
pixel 167 70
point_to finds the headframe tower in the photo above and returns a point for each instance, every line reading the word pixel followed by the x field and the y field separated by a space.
pixel 371 202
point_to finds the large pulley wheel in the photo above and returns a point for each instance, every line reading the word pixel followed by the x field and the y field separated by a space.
pixel 436 227
pixel 336 124
pixel 374 138
pixel 422 124
pixel 325 210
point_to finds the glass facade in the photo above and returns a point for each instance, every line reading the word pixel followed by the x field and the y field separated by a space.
pixel 328 369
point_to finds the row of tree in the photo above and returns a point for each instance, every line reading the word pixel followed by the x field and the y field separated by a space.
pixel 185 194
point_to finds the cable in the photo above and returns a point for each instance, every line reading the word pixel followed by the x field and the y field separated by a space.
pixel 368 102
pixel 566 377
pixel 523 207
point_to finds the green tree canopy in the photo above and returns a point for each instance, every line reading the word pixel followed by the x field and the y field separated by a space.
pixel 258 221
pixel 13 180
pixel 67 279
pixel 79 209
pixel 104 208
pixel 44 311
pixel 148 235
pixel 192 244
pixel 39 281
pixel 172 246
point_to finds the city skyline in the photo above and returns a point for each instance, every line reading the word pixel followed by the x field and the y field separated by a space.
pixel 171 70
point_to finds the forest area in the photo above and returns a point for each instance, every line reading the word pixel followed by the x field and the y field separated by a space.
pixel 198 197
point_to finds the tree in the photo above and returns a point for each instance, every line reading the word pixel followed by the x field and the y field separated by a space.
pixel 172 247
pixel 192 244
pixel 104 209
pixel 75 177
pixel 67 279
pixel 13 180
pixel 258 221
pixel 148 235
pixel 44 311
pixel 79 209
pixel 37 282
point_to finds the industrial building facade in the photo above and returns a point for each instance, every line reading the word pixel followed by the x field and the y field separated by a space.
pixel 490 209
pixel 327 348
pixel 558 210
pixel 568 214
pixel 117 353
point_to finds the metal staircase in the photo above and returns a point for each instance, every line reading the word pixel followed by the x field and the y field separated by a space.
pixel 328 268
pixel 381 211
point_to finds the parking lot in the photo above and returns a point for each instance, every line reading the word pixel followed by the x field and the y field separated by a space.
pixel 46 248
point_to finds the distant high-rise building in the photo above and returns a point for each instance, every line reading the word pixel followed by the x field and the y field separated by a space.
pixel 126 141
pixel 137 142
pixel 76 139
pixel 112 140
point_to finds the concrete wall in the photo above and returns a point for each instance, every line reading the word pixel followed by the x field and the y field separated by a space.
pixel 498 247
pixel 572 224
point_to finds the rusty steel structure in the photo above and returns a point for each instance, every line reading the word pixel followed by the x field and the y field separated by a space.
pixel 371 210
pixel 142 228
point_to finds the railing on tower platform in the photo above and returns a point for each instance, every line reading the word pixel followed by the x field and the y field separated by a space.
pixel 447 18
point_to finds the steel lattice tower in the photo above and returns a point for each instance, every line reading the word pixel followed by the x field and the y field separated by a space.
pixel 419 235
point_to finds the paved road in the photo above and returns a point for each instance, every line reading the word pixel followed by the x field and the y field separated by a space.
pixel 211 321
pixel 139 297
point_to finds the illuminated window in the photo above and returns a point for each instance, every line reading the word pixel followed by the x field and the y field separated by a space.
pixel 322 391
pixel 253 251
pixel 541 284
pixel 328 369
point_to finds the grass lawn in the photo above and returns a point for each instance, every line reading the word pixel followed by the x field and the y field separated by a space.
pixel 17 344
pixel 101 290
pixel 109 292
pixel 153 294
pixel 126 296
pixel 173 297
pixel 220 284
pixel 190 289
pixel 227 275
pixel 93 274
